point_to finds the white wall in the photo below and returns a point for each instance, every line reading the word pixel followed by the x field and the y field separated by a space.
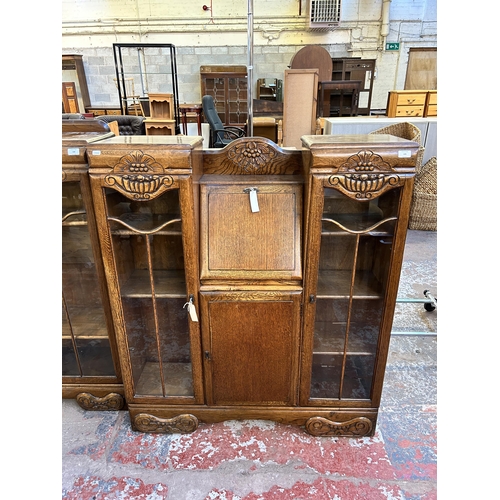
pixel 219 36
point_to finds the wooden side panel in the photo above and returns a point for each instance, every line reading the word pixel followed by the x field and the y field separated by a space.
pixel 299 107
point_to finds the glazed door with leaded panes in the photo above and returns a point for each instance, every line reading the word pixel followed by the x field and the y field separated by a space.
pixel 87 352
pixel 347 291
pixel 147 227
pixel 229 90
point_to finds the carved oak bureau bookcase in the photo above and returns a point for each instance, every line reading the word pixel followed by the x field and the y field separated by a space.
pixel 90 366
pixel 253 282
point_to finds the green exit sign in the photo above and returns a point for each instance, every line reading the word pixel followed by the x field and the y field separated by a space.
pixel 392 46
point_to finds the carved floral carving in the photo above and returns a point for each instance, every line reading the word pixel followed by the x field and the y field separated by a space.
pixel 112 401
pixel 320 426
pixel 252 156
pixel 139 176
pixel 182 423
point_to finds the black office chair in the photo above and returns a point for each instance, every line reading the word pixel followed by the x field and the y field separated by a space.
pixel 220 135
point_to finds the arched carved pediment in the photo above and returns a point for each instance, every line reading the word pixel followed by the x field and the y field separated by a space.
pixel 139 176
pixel 253 156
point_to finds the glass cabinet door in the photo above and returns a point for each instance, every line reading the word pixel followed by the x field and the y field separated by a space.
pixel 354 262
pixel 147 248
pixel 86 350
pixel 237 100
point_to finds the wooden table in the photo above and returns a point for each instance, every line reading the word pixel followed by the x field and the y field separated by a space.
pixel 190 108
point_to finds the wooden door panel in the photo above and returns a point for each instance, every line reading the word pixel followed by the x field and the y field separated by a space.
pixel 252 348
pixel 70 98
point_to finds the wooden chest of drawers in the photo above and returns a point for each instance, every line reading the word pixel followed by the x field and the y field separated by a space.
pixel 411 103
pixel 431 104
pixel 406 103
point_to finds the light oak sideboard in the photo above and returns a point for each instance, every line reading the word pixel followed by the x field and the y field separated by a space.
pixel 252 282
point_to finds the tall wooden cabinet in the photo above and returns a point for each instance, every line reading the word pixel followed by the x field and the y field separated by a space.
pixel 359 196
pixel 145 200
pixel 253 281
pixel 356 68
pixel 228 85
pixel 75 92
pixel 90 367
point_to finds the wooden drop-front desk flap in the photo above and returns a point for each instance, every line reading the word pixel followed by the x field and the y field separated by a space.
pixel 253 281
pixel 239 243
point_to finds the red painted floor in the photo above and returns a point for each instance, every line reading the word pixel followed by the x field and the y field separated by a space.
pixel 103 459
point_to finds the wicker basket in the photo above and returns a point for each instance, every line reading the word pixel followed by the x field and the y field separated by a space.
pixel 423 210
pixel 405 130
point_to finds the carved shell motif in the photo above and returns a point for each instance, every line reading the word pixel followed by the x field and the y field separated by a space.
pixel 371 176
pixel 365 161
pixel 251 156
pixel 139 176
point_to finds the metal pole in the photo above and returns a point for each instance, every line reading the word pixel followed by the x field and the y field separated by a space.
pixel 250 69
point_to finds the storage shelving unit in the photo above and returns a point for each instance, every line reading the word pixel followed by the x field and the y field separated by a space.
pixel 161 121
pixel 141 63
pixel 358 214
pixel 356 68
pixel 270 89
pixel 144 203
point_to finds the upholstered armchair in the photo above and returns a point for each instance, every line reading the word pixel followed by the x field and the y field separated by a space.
pixel 127 124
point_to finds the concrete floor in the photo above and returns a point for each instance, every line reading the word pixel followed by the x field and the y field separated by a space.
pixel 103 459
